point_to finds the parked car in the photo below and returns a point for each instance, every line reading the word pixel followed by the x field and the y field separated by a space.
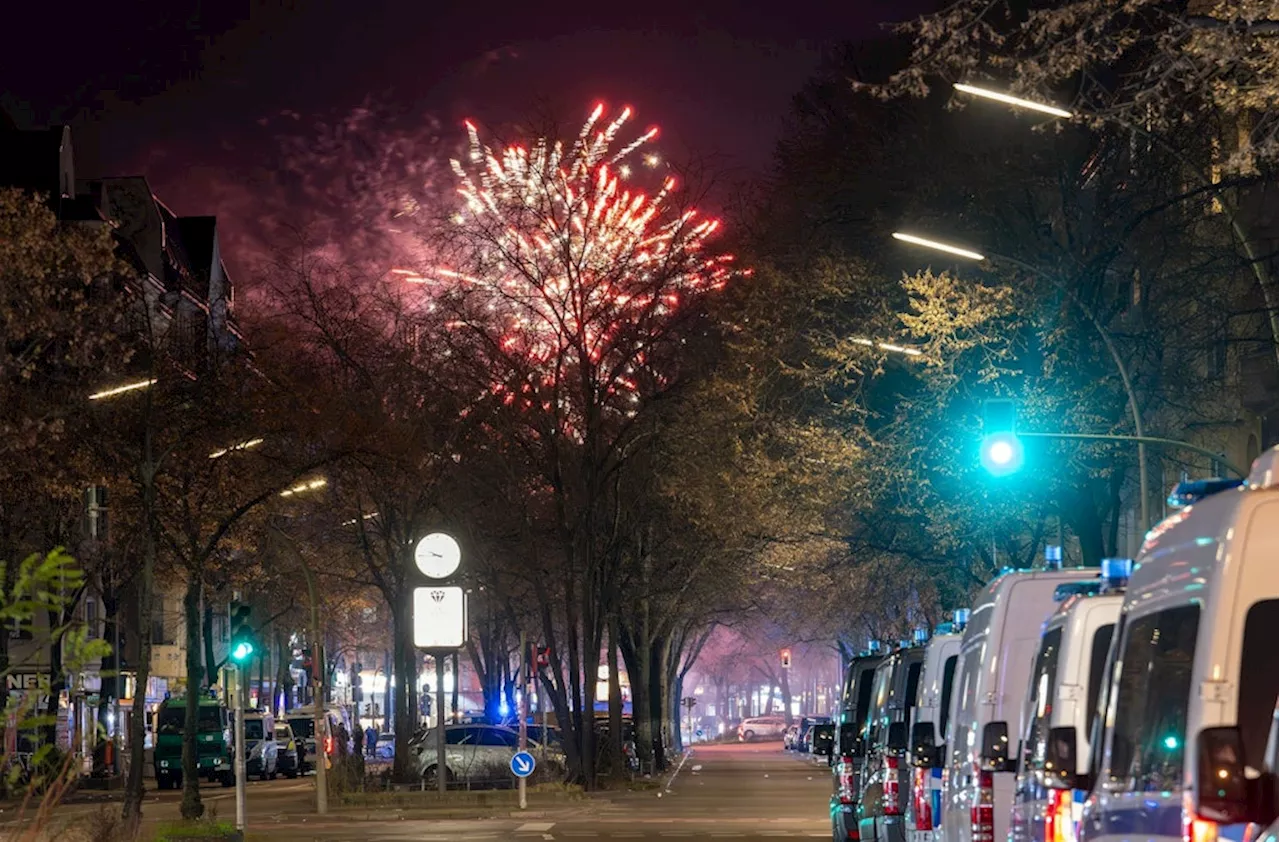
pixel 1193 688
pixel 287 761
pixel 1062 705
pixel 893 698
pixel 822 737
pixel 302 721
pixel 849 745
pixel 991 680
pixel 927 739
pixel 260 750
pixel 475 754
pixel 762 728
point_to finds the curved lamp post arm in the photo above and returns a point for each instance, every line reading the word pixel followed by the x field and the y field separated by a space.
pixel 1123 369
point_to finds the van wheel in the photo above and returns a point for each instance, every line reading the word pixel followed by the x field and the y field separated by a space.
pixel 748 736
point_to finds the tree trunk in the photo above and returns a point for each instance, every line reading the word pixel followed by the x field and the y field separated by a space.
pixel 635 655
pixel 406 716
pixel 210 660
pixel 132 808
pixel 284 681
pixel 192 807
pixel 617 765
pixel 784 682
pixel 657 705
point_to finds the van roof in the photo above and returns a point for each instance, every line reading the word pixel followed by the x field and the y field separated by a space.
pixel 1265 471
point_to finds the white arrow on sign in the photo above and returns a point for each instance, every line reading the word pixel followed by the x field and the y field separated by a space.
pixel 522 764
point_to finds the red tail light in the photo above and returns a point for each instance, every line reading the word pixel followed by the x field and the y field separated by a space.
pixel 982 814
pixel 845 772
pixel 890 801
pixel 328 744
pixel 921 800
pixel 1194 828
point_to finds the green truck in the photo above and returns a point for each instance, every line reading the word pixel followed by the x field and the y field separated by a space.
pixel 213 742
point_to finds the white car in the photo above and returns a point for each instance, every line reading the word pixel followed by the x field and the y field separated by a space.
pixel 477 753
pixel 762 728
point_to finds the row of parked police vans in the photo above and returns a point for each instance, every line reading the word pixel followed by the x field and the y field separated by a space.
pixel 1133 703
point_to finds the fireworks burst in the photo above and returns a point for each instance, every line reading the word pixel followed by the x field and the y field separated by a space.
pixel 579 269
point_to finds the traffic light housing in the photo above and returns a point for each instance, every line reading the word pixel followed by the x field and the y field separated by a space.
pixel 786 659
pixel 242 644
pixel 1001 450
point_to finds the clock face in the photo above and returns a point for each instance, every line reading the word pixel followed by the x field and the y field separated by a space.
pixel 437 555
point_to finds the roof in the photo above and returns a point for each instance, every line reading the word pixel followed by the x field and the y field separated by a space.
pixel 197 233
pixel 31 159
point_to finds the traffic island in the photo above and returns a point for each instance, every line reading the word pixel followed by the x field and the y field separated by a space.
pixel 456 804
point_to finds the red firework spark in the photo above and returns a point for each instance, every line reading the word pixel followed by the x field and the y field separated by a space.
pixel 574 265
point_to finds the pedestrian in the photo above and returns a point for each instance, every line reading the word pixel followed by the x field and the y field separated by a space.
pixel 371 741
pixel 340 740
pixel 359 752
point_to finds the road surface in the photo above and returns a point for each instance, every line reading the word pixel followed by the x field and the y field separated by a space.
pixel 753 791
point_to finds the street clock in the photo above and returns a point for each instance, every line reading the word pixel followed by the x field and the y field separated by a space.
pixel 437 555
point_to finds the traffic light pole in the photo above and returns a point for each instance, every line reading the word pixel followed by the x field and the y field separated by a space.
pixel 524 714
pixel 239 765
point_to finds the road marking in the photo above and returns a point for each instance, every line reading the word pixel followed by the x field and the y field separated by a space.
pixel 687 755
pixel 675 833
pixel 535 827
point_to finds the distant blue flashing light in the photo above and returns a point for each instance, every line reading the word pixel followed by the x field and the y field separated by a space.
pixel 919 636
pixel 1116 572
pixel 1193 491
pixel 960 618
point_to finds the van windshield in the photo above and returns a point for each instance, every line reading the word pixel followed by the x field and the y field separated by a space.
pixel 1043 678
pixel 172 718
pixel 1151 697
pixel 253 729
pixel 303 727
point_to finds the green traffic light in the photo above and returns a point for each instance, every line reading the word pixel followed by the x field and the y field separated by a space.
pixel 1001 454
pixel 241 650
pixel 1171 743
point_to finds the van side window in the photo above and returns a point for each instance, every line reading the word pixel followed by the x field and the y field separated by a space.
pixel 1101 720
pixel 948 682
pixel 966 704
pixel 1043 676
pixel 1258 656
pixel 1151 700
pixel 865 683
pixel 913 687
pixel 1097 668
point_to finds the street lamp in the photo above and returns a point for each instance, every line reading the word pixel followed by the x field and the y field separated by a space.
pixel 1265 282
pixel 905 350
pixel 1093 320
pixel 1016 102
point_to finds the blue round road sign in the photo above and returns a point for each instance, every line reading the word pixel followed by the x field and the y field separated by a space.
pixel 522 764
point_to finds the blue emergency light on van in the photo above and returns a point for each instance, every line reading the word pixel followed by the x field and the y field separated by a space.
pixel 1116 572
pixel 960 619
pixel 920 636
pixel 1193 491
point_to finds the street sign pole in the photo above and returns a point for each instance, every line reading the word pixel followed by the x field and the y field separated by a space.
pixel 524 713
pixel 238 768
pixel 442 771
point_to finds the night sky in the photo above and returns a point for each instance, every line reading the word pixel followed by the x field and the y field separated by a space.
pixel 190 94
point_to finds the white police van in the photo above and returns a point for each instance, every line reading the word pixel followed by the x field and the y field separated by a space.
pixel 1193 686
pixel 1062 705
pixel 991 686
pixel 929 727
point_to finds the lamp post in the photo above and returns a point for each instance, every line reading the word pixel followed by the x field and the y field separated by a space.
pixel 1139 434
pixel 1265 283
